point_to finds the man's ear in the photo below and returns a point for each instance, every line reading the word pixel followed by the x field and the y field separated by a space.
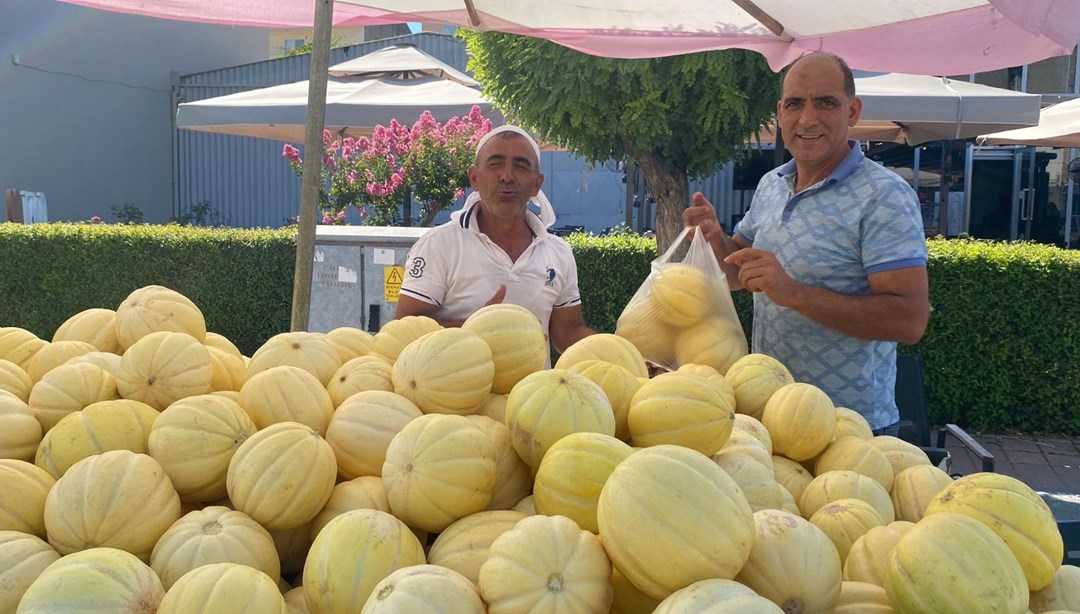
pixel 539 182
pixel 856 111
pixel 472 177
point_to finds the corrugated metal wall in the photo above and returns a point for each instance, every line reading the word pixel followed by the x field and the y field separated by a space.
pixel 245 180
pixel 247 183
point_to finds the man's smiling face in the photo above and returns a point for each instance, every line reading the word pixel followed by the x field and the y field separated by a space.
pixel 814 114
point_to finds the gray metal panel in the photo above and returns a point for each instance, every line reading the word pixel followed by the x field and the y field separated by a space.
pixel 246 181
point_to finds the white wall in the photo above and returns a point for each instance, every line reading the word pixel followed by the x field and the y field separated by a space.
pixel 85 117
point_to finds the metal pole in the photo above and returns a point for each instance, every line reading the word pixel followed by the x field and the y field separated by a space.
pixel 313 148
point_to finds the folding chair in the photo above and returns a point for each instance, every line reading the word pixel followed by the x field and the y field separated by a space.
pixel 915 424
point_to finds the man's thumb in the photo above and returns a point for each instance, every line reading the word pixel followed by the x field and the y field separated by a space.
pixel 499 295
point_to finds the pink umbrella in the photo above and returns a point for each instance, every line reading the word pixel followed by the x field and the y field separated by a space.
pixel 938 37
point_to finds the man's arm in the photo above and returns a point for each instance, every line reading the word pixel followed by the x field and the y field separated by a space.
pixel 896 309
pixel 567 327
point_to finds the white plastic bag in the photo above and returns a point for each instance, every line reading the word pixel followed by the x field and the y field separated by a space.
pixel 683 312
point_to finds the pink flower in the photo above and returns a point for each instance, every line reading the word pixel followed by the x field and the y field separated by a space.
pixel 290 152
pixel 95 220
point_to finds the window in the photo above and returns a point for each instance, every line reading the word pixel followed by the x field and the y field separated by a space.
pixel 294 43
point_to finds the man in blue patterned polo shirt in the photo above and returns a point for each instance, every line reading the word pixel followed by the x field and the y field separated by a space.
pixel 832 247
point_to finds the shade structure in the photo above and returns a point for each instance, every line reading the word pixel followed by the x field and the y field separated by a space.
pixel 919 108
pixel 1059 126
pixel 354 106
pixel 400 62
pixel 911 36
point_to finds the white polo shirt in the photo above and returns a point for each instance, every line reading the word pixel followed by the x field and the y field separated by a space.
pixel 458 268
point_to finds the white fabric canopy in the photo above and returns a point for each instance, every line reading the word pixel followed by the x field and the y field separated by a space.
pixel 1059 126
pixel 398 82
pixel 911 36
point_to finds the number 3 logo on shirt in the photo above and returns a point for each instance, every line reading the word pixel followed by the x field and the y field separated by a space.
pixel 417 269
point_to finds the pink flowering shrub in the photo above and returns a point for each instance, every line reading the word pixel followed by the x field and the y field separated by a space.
pixel 427 162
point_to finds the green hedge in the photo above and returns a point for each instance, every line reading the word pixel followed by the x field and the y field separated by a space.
pixel 1002 350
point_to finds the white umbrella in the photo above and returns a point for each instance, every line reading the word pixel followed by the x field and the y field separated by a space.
pixel 918 108
pixel 1059 126
pixel 398 82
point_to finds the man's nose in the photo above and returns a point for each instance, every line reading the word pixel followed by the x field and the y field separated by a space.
pixel 506 174
pixel 808 115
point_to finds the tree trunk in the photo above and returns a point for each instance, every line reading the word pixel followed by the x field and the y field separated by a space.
pixel 671 189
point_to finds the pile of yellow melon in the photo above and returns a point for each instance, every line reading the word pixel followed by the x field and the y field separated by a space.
pixel 147 466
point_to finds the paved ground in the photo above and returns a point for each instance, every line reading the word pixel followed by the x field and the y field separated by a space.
pixel 1048 463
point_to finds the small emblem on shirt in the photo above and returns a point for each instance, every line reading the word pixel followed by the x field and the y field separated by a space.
pixel 417 268
pixel 550 277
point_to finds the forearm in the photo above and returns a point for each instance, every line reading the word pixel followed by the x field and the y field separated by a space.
pixel 883 316
pixel 565 338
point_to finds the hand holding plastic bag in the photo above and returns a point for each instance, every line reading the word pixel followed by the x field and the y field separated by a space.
pixel 683 312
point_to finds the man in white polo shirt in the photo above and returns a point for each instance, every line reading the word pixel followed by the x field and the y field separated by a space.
pixel 496 250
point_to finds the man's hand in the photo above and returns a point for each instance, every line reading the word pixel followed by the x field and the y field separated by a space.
pixel 759 271
pixel 701 214
pixel 498 297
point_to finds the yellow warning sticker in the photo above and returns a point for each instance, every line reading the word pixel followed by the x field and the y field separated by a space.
pixel 392 278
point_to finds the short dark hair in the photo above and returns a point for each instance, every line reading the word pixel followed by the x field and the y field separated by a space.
pixel 845 70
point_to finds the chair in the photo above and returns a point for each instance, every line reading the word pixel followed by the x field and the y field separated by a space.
pixel 914 422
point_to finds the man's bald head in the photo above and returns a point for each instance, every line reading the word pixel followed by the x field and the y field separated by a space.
pixel 824 56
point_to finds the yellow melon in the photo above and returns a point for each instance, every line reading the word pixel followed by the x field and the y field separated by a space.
pixel 513 478
pixel 745 444
pixel 70 388
pixel 439 468
pixel 951 563
pixel 213 534
pixel 681 292
pixel 119 424
pixel 846 520
pixel 163 367
pixel 1015 512
pixel 868 558
pixel 463 546
pixel 1063 593
pixel 801 420
pixel 754 427
pixel 396 334
pixel 94 581
pixel 311 352
pixel 109 362
pixel 608 347
pixel 792 563
pixel 755 377
pixel 194 439
pixel 669 503
pixel 548 405
pixel 716 595
pixel 20 432
pixel 94 326
pixel 282 475
pixel 286 394
pixel 360 374
pixel 53 355
pixel 627 598
pixel 518 342
pixel 791 475
pixel 862 598
pixel 350 342
pixel 424 588
pixel 755 479
pixel 19 345
pixel 914 488
pixel 618 384
pixel 224 587
pixel 900 453
pixel 22 559
pixel 858 455
pixel 352 554
pixel 363 493
pixel 494 407
pixel 449 371
pixel 140 507
pixel 546 564
pixel 851 423
pixel 230 371
pixel 14 380
pixel 221 342
pixel 26 488
pixel 713 342
pixel 572 474
pixel 361 429
pixel 842 484
pixel 680 409
pixel 153 309
pixel 638 323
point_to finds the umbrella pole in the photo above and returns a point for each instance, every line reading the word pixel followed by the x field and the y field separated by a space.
pixel 312 172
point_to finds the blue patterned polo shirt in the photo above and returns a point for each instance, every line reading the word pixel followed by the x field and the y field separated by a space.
pixel 862 219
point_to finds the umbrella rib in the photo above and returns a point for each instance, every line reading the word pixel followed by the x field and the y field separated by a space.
pixel 755 11
pixel 474 17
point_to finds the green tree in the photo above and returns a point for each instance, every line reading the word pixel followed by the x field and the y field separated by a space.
pixel 678 117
